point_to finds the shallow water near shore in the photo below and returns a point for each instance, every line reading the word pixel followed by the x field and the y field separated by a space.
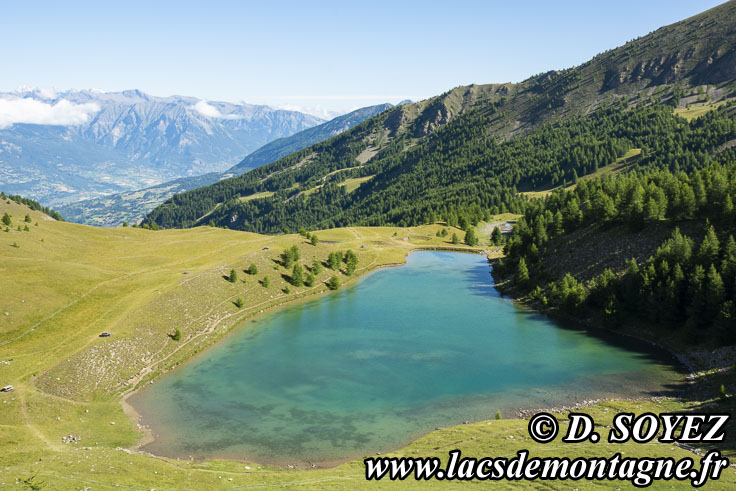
pixel 381 362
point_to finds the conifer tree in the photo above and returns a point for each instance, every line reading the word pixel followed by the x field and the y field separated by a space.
pixel 522 273
pixel 496 236
pixel 708 251
pixel 333 283
pixel 316 266
pixel 351 262
pixel 297 275
pixel 470 238
pixel 715 293
pixel 333 261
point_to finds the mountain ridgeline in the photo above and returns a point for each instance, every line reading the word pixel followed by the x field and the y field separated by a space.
pixel 473 148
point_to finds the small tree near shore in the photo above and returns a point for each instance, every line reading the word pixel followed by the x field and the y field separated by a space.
pixel 333 283
pixel 470 238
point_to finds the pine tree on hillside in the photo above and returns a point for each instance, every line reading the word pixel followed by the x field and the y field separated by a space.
pixel 522 273
pixel 470 238
pixel 297 275
pixel 496 236
pixel 316 266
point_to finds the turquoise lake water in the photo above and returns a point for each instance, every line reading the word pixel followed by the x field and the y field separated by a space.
pixel 381 362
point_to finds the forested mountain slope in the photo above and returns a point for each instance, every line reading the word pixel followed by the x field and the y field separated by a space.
pixel 654 246
pixel 473 147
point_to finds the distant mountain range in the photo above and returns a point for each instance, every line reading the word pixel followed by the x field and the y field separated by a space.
pixel 63 147
pixel 132 206
pixel 468 151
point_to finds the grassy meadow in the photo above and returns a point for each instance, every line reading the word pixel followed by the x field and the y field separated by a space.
pixel 62 284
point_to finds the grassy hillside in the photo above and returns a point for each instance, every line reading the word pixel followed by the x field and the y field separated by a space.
pixel 451 152
pixel 63 284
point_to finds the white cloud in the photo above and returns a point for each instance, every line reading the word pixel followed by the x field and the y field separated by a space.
pixel 205 109
pixel 31 111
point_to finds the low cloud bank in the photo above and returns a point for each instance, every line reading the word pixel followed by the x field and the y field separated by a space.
pixel 31 111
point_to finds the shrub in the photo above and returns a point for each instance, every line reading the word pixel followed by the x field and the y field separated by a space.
pixel 233 277
pixel 176 336
pixel 239 303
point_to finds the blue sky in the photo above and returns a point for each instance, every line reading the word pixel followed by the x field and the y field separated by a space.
pixel 313 56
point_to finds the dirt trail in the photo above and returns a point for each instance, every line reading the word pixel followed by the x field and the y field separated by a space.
pixel 35 430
